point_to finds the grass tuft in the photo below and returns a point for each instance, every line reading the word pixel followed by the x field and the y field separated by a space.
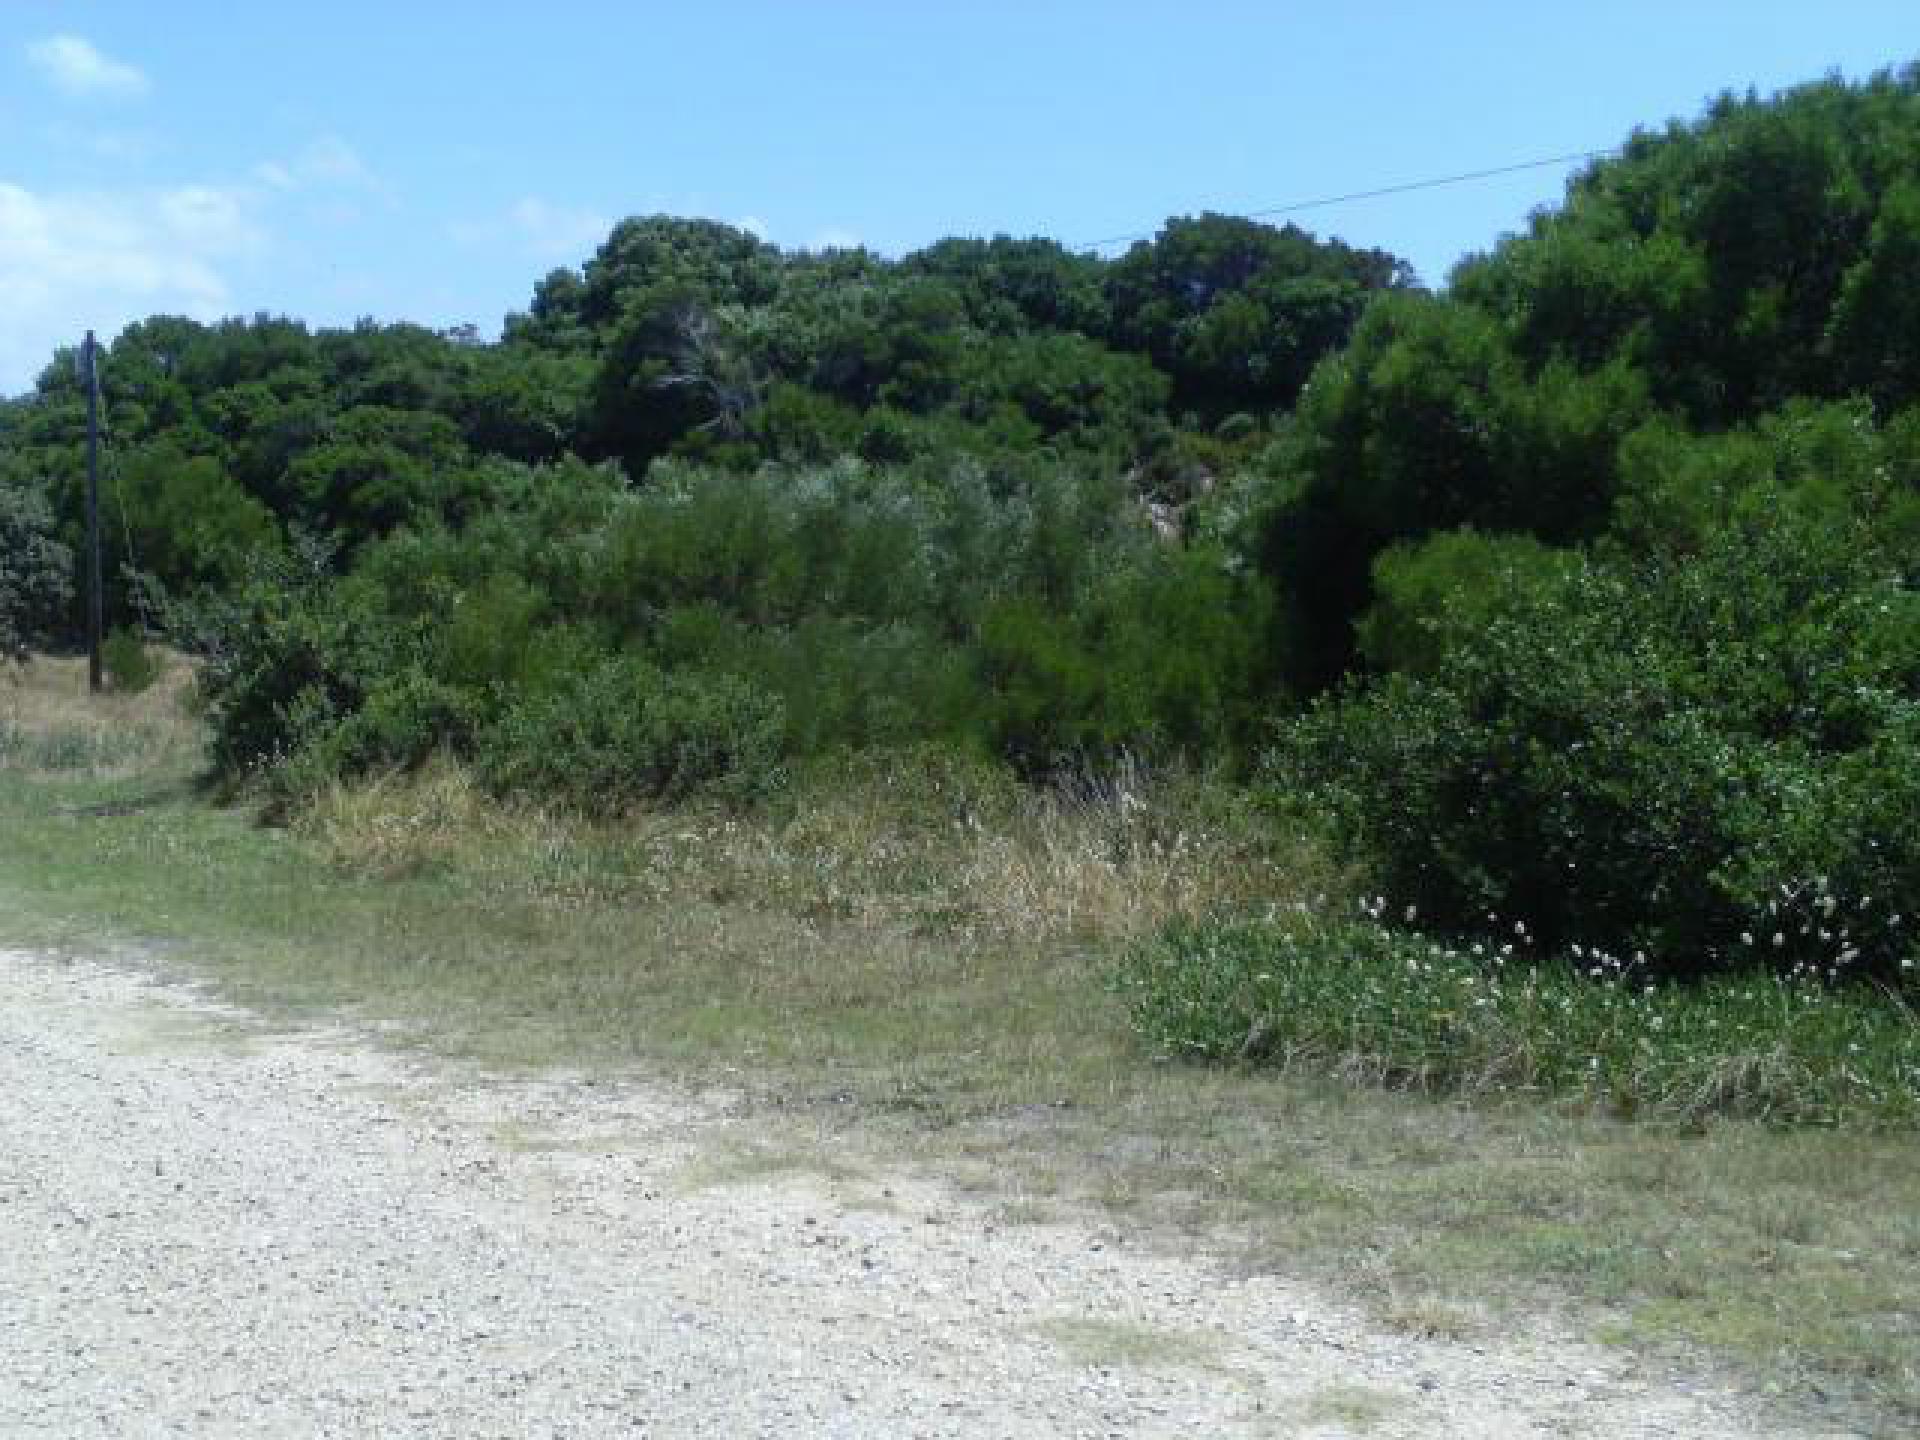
pixel 1385 1006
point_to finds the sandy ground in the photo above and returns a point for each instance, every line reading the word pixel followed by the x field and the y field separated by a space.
pixel 210 1227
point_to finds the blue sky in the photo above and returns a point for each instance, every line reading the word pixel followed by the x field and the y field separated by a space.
pixel 430 161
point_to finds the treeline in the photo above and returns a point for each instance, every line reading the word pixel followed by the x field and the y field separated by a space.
pixel 1579 596
pixel 941 497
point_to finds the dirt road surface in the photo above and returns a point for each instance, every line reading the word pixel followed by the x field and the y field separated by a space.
pixel 212 1227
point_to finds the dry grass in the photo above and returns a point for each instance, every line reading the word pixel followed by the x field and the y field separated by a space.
pixel 916 843
pixel 49 723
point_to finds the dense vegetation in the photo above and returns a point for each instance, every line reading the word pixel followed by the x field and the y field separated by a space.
pixel 1579 597
pixel 939 497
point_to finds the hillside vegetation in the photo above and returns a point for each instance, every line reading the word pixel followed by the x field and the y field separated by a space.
pixel 1571 609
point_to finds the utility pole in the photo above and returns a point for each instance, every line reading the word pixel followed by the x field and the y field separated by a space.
pixel 90 362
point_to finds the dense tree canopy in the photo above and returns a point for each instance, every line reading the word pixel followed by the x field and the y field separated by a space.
pixel 1707 276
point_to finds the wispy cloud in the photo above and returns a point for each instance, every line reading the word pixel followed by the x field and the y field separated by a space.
pixel 325 161
pixel 74 66
pixel 119 146
pixel 538 228
pixel 74 260
pixel 835 238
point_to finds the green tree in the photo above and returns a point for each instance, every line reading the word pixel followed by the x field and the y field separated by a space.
pixel 1238 313
pixel 376 468
pixel 1427 421
pixel 36 570
pixel 1009 286
pixel 188 522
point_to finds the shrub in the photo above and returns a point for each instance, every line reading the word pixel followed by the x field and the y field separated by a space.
pixel 625 733
pixel 190 522
pixel 128 665
pixel 401 722
pixel 1712 761
pixel 1160 657
pixel 1427 592
pixel 288 656
pixel 844 684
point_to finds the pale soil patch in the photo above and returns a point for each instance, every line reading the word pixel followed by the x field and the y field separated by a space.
pixel 211 1226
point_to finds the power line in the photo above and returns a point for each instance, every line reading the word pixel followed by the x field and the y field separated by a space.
pixel 131 569
pixel 1434 184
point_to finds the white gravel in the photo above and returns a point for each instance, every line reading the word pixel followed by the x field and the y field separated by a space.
pixel 211 1228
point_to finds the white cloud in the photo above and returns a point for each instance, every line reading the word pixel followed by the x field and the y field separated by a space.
pixel 206 218
pixel 274 175
pixel 73 66
pixel 327 161
pixel 834 238
pixel 73 261
pixel 330 160
pixel 754 226
pixel 538 228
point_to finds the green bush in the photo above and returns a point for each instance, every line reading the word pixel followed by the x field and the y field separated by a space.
pixel 129 667
pixel 843 684
pixel 625 733
pixel 1161 657
pixel 187 519
pixel 1714 761
pixel 1427 592
pixel 288 656
pixel 401 721
pixel 1389 1006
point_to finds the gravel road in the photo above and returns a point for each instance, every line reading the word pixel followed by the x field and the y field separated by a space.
pixel 211 1227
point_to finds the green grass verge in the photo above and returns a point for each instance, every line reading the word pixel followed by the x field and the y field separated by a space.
pixel 1393 1007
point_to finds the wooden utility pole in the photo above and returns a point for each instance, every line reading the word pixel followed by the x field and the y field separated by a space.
pixel 90 363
